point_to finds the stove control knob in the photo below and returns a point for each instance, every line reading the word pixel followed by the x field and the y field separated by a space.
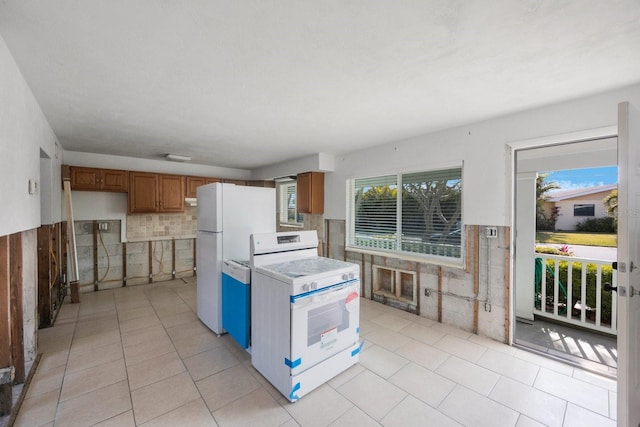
pixel 314 286
pixel 352 275
pixel 305 287
pixel 345 276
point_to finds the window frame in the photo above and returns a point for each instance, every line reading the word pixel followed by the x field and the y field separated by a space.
pixel 455 261
pixel 283 214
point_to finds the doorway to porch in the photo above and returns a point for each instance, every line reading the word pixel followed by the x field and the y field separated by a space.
pixel 562 307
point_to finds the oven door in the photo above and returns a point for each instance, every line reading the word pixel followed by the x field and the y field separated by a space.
pixel 323 323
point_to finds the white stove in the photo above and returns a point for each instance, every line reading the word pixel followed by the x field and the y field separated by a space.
pixel 304 312
pixel 310 274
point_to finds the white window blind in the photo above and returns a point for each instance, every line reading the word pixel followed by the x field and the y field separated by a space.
pixel 424 218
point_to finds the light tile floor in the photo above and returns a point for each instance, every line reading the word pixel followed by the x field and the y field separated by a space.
pixel 139 356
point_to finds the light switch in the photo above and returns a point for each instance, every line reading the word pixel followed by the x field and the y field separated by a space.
pixel 33 186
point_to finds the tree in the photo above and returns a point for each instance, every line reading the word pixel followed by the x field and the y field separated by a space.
pixel 440 203
pixel 544 222
pixel 611 203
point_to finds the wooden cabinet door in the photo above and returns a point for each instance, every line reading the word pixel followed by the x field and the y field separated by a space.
pixel 143 192
pixel 310 192
pixel 193 182
pixel 85 178
pixel 171 193
pixel 303 192
pixel 114 180
pixel 95 179
pixel 235 181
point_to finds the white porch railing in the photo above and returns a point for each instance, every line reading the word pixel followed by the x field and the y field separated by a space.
pixel 571 290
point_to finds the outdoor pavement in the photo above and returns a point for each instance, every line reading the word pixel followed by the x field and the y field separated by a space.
pixel 590 252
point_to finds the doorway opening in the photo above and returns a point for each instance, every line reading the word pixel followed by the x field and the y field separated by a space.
pixel 564 253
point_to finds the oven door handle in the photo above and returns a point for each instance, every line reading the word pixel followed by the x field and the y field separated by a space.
pixel 336 292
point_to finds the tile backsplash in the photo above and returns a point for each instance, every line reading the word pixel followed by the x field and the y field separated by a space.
pixel 154 226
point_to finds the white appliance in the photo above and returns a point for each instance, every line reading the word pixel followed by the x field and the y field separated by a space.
pixel 304 312
pixel 227 215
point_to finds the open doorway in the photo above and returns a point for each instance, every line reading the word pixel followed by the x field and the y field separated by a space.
pixel 562 306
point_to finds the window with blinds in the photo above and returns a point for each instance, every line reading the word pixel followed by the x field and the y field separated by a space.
pixel 415 213
pixel 584 210
pixel 288 206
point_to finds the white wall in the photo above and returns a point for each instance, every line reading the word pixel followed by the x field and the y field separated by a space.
pixel 319 162
pixel 482 149
pixel 24 130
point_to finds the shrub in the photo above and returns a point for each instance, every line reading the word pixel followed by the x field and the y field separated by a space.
pixel 553 251
pixel 544 223
pixel 598 225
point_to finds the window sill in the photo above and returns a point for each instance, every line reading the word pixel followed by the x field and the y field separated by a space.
pixel 425 259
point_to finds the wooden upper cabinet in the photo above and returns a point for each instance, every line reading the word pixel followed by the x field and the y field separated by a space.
pixel 193 182
pixel 96 179
pixel 267 184
pixel 310 192
pixel 171 193
pixel 143 192
pixel 150 192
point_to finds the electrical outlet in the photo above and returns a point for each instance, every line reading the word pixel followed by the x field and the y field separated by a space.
pixel 103 226
pixel 491 232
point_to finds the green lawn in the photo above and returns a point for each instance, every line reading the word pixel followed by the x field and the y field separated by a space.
pixel 586 239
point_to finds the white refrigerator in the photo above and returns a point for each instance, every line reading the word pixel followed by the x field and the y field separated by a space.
pixel 227 215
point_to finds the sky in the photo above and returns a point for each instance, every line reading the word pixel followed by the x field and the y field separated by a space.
pixel 582 178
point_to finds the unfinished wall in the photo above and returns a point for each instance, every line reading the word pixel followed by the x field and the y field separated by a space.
pixel 30 295
pixel 105 262
pixel 474 298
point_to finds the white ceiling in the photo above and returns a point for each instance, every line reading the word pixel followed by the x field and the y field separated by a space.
pixel 245 83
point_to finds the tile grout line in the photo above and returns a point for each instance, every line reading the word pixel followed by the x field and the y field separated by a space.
pixel 66 365
pixel 126 367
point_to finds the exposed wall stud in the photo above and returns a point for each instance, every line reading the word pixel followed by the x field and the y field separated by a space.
pixel 150 261
pixel 17 317
pixel 476 275
pixel 95 256
pixel 507 285
pixel 44 276
pixel 6 395
pixel 124 264
pixel 440 294
pixel 173 258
